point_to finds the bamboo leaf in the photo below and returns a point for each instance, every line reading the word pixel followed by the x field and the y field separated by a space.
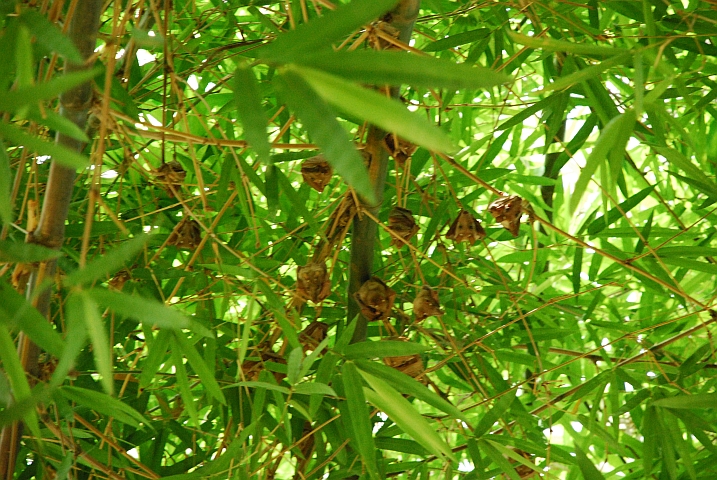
pixel 406 417
pixel 81 305
pixel 553 45
pixel 14 100
pixel 397 68
pixel 587 468
pixel 105 404
pixel 384 348
pixel 372 107
pixel 183 382
pixel 200 367
pixel 457 40
pixel 49 36
pixel 698 400
pixel 361 426
pixel 6 207
pixel 293 365
pixel 321 32
pixel 251 113
pixel 614 214
pixel 62 155
pixel 108 263
pixel 325 130
pixel 147 311
pixel 25 252
pixel 410 386
pixel 16 375
pixel 18 315
pixel 314 388
pixel 603 145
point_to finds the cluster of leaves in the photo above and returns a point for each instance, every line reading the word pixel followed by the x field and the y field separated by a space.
pixel 579 348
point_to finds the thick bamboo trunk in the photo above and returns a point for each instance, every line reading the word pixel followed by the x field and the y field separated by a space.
pixel 74 105
pixel 365 230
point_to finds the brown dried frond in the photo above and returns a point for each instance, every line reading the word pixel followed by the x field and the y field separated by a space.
pixel 466 228
pixel 403 224
pixel 316 172
pixel 377 34
pixel 426 304
pixel 507 211
pixel 187 234
pixel 375 299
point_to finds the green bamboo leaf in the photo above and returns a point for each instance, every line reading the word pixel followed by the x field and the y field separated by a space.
pixel 368 105
pixel 183 382
pixel 6 207
pixel 18 315
pixel 75 341
pixel 147 311
pixel 398 409
pixel 361 426
pixel 526 113
pixel 614 214
pixel 200 367
pixel 25 252
pixel 16 375
pixel 694 172
pixel 587 468
pixel 157 355
pixel 62 155
pixel 14 100
pixel 457 40
pixel 410 386
pixel 105 404
pixel 49 35
pixel 582 75
pixel 698 400
pixel 494 414
pixel 251 113
pixel 325 130
pixel 293 365
pixel 81 305
pixel 603 145
pixel 318 34
pixel 495 455
pixel 552 45
pixel 343 341
pixel 397 68
pixel 314 388
pixel 382 349
pixel 650 433
pixel 265 385
pixel 108 263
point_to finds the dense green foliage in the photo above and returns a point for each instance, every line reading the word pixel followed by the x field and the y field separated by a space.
pixel 579 348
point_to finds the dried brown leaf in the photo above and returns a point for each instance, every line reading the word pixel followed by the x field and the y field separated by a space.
pixel 312 282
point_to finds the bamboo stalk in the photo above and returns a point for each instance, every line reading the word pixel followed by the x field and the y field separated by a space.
pixel 365 230
pixel 74 106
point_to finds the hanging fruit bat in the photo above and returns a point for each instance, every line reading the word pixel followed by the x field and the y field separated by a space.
pixel 312 282
pixel 170 175
pixel 400 149
pixel 187 234
pixel 426 304
pixel 375 299
pixel 402 223
pixel 466 228
pixel 316 172
pixel 313 335
pixel 507 211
